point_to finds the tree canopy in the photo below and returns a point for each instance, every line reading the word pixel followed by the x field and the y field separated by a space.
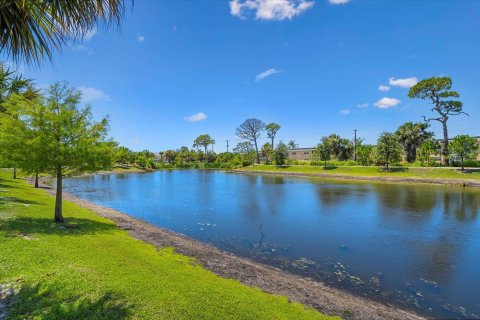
pixel 251 130
pixel 411 136
pixel 438 90
pixel 272 129
pixel 32 29
pixel 203 141
pixel 388 149
pixel 465 147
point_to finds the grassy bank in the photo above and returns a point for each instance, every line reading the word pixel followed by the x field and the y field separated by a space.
pixel 89 268
pixel 400 172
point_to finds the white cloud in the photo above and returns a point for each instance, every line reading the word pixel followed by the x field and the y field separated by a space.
pixel 90 94
pixel 197 117
pixel 363 105
pixel 267 73
pixel 386 103
pixel 141 38
pixel 403 83
pixel 345 112
pixel 270 9
pixel 383 88
pixel 338 1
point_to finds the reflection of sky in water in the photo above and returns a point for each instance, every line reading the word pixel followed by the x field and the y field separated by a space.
pixel 411 244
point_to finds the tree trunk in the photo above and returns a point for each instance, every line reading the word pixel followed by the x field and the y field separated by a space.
pixel 14 173
pixel 463 169
pixel 256 150
pixel 445 143
pixel 58 198
pixel 272 143
pixel 36 178
pixel 411 153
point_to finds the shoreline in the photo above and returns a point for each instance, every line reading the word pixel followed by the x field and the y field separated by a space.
pixel 434 181
pixel 317 295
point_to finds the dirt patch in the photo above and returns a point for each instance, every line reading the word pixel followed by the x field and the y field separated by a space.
pixel 269 279
pixel 456 182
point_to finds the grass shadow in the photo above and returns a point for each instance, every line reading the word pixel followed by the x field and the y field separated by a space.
pixel 47 302
pixel 6 186
pixel 330 168
pixel 283 166
pixel 4 200
pixel 393 169
pixel 470 171
pixel 71 226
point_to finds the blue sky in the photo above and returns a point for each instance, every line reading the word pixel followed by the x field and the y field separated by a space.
pixel 178 69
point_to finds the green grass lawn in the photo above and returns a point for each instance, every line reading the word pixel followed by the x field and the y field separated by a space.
pixel 403 172
pixel 98 271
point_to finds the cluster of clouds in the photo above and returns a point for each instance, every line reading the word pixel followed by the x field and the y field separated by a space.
pixel 387 102
pixel 274 9
pixel 402 83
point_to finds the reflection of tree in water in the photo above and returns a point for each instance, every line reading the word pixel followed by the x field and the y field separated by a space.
pixel 464 206
pixel 205 185
pixel 440 256
pixel 273 192
pixel 247 196
pixel 414 202
pixel 331 195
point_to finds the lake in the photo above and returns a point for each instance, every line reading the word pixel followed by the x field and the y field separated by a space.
pixel 416 246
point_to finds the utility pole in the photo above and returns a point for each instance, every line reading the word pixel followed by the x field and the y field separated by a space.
pixel 355 146
pixel 227 145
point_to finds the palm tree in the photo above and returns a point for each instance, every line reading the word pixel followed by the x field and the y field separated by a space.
pixel 266 151
pixel 11 83
pixel 411 136
pixel 31 29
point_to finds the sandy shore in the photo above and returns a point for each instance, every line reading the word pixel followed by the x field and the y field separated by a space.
pixel 269 279
pixel 456 182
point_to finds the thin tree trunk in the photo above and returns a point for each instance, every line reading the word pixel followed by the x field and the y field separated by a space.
pixel 58 198
pixel 272 143
pixel 36 178
pixel 445 143
pixel 14 173
pixel 256 150
pixel 463 169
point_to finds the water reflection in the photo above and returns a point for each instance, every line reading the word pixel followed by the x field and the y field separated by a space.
pixel 414 245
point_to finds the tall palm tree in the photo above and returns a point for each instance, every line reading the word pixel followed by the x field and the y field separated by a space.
pixel 31 29
pixel 411 136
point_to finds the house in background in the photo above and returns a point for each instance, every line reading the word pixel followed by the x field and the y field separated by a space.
pixel 438 157
pixel 300 154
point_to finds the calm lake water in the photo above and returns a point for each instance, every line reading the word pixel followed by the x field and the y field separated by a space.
pixel 417 246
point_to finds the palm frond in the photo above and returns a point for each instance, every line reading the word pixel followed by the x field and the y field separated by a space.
pixel 30 30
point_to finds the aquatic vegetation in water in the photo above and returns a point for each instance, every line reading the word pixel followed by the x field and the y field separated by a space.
pixel 303 263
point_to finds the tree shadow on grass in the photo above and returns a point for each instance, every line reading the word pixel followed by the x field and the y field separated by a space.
pixel 4 200
pixel 71 226
pixel 50 302
pixel 393 169
pixel 5 186
pixel 330 168
pixel 469 171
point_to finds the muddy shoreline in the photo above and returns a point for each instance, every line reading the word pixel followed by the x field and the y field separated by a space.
pixel 436 181
pixel 312 293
